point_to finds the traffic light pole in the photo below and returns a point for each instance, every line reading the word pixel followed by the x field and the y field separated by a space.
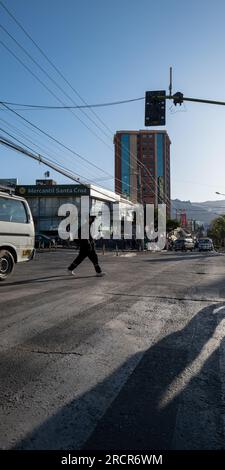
pixel 178 98
pixel 155 104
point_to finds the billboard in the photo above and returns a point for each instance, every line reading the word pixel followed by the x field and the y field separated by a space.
pixel 9 182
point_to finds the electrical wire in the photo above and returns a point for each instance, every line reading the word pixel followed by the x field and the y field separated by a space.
pixel 44 146
pixel 92 181
pixel 50 62
pixel 49 162
pixel 54 139
pixel 42 52
pixel 46 57
pixel 32 150
pixel 109 176
pixel 40 147
pixel 43 84
pixel 96 105
pixel 64 146
pixel 42 159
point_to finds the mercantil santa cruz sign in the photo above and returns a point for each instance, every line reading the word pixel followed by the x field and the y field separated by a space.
pixel 55 190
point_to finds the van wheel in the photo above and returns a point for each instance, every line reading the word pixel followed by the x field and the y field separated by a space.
pixel 6 264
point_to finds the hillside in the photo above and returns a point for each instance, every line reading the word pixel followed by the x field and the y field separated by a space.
pixel 203 212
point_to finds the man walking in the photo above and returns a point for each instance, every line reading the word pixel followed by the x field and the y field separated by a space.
pixel 87 249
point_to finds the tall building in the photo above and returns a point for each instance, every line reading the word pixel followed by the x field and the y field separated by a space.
pixel 142 166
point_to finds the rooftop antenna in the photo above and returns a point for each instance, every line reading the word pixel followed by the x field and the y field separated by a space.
pixel 171 80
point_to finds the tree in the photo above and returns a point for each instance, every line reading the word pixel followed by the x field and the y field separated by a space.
pixel 217 230
pixel 171 224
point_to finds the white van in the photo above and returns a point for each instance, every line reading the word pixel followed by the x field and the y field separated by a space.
pixel 16 232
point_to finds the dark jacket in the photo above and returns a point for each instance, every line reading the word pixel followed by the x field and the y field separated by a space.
pixel 85 244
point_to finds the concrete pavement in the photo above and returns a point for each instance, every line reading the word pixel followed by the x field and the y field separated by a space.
pixel 132 360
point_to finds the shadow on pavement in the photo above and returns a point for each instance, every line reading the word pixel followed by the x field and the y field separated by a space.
pixel 47 279
pixel 179 257
pixel 171 399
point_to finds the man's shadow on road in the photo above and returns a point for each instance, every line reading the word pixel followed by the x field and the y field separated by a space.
pixel 59 277
pixel 171 399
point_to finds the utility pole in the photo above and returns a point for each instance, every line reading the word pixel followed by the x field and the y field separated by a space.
pixel 171 82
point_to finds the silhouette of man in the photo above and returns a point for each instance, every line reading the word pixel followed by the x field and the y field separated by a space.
pixel 87 249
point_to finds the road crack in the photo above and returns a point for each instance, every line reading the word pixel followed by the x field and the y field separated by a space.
pixel 42 351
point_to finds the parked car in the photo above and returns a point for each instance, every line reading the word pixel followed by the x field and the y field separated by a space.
pixel 184 244
pixel 42 241
pixel 205 244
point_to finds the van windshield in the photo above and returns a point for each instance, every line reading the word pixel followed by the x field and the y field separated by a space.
pixel 12 210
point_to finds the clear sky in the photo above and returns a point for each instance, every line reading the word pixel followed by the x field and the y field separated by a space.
pixel 115 50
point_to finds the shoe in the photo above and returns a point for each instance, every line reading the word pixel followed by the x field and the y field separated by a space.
pixel 71 272
pixel 100 274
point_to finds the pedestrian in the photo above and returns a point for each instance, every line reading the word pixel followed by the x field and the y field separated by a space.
pixel 86 249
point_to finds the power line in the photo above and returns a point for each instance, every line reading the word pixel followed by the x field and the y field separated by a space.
pixel 38 157
pixel 45 161
pixel 46 57
pixel 50 62
pixel 43 145
pixel 92 180
pixel 55 140
pixel 109 176
pixel 34 144
pixel 44 85
pixel 53 65
pixel 64 171
pixel 139 164
pixel 11 52
pixel 69 84
pixel 56 69
pixel 96 105
pixel 49 163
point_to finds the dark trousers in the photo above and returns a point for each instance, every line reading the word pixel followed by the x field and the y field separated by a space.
pixel 86 253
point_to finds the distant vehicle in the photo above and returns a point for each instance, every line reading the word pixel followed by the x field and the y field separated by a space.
pixel 16 232
pixel 43 241
pixel 170 245
pixel 184 244
pixel 178 245
pixel 205 244
pixel 196 244
pixel 64 243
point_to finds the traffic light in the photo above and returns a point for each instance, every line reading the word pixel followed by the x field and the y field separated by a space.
pixel 155 108
pixel 178 98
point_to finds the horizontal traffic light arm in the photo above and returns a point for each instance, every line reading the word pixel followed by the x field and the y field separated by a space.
pixel 177 98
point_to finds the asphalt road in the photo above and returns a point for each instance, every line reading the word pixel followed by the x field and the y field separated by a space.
pixel 133 360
